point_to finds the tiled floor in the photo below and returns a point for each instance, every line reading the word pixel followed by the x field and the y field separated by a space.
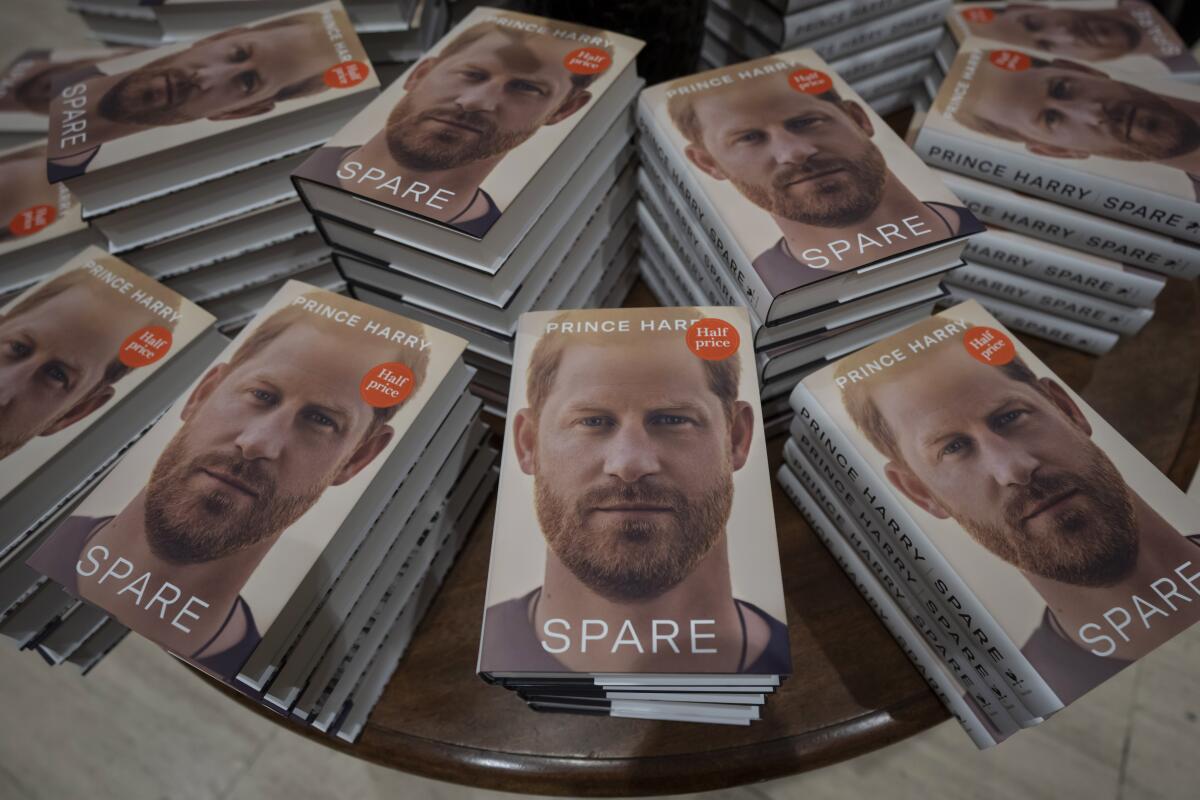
pixel 141 727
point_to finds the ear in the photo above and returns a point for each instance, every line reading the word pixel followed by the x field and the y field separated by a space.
pixel 252 110
pixel 576 101
pixel 705 162
pixel 860 118
pixel 525 440
pixel 1053 151
pixel 82 409
pixel 914 489
pixel 741 433
pixel 418 73
pixel 1058 395
pixel 364 454
pixel 210 381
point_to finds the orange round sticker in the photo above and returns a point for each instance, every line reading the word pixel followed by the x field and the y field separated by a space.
pixel 145 346
pixel 978 15
pixel 587 61
pixel 989 346
pixel 32 219
pixel 713 339
pixel 810 81
pixel 1010 60
pixel 387 384
pixel 347 74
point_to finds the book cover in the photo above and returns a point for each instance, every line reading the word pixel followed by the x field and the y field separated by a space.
pixel 32 209
pixel 148 102
pixel 808 180
pixel 1121 145
pixel 634 527
pixel 27 83
pixel 1127 35
pixel 73 346
pixel 1080 550
pixel 199 536
pixel 456 138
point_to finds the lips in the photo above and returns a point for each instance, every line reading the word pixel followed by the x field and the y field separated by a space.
pixel 453 123
pixel 635 508
pixel 1049 504
pixel 231 481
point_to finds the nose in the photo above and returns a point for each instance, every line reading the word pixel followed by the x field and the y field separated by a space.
pixel 1010 463
pixel 13 379
pixel 787 148
pixel 209 75
pixel 264 435
pixel 483 96
pixel 631 454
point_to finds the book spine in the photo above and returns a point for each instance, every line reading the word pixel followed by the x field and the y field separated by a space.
pixel 658 257
pixel 859 37
pixel 1108 197
pixel 1075 229
pixel 1052 299
pixel 919 554
pixel 1068 333
pixel 891 80
pixel 1064 268
pixel 868 62
pixel 738 267
pixel 799 28
pixel 961 706
pixel 952 646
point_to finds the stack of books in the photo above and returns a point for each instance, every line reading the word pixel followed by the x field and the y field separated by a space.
pixel 284 525
pixel 770 184
pixel 1016 545
pixel 180 157
pixel 635 566
pixel 494 178
pixel 26 87
pixel 93 355
pixel 882 48
pixel 393 32
pixel 1113 194
pixel 1127 35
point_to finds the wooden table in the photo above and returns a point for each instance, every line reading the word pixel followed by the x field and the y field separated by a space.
pixel 853 690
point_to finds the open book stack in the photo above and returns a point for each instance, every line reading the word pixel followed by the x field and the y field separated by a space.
pixel 180 156
pixel 1020 549
pixel 882 48
pixel 1112 195
pixel 770 184
pixel 393 32
pixel 285 524
pixel 635 568
pixel 93 355
pixel 494 178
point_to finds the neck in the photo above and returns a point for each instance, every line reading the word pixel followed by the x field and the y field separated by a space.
pixel 442 195
pixel 702 602
pixel 1158 600
pixel 149 593
pixel 900 222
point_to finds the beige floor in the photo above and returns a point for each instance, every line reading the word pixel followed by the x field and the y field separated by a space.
pixel 140 727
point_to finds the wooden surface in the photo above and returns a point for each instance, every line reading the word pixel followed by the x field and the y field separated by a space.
pixel 852 691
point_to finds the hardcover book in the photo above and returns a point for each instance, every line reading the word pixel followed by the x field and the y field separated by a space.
pixel 634 531
pixel 807 194
pixel 199 536
pixel 1119 145
pixel 1126 35
pixel 27 83
pixel 1070 554
pixel 470 129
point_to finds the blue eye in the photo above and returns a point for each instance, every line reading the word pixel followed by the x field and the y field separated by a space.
pixel 671 419
pixel 321 419
pixel 955 446
pixel 262 395
pixel 19 349
pixel 594 422
pixel 1008 417
pixel 56 373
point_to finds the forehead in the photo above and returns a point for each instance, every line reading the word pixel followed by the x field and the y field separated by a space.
pixel 527 55
pixel 763 99
pixel 641 372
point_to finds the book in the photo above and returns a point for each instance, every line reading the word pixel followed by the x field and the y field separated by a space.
pixel 789 30
pixel 590 545
pixel 1126 35
pixel 994 477
pixel 27 81
pixel 290 444
pixel 806 194
pixel 1042 324
pixel 1009 116
pixel 452 160
pixel 117 133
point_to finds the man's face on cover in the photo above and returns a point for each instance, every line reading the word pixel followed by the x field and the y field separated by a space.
pixel 794 155
pixel 1066 110
pixel 1013 464
pixel 481 101
pixel 258 446
pixel 52 360
pixel 633 466
pixel 36 89
pixel 1086 34
pixel 229 75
